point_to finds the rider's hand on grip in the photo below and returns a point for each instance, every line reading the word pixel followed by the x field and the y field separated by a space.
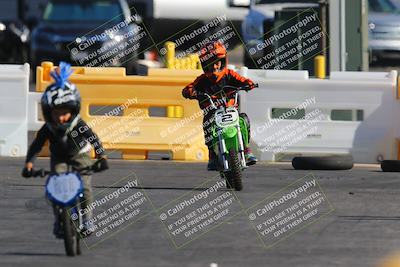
pixel 194 95
pixel 251 86
pixel 100 165
pixel 199 95
pixel 27 173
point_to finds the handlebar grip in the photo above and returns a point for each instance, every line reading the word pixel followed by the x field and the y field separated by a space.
pixel 201 96
pixel 40 173
pixel 248 87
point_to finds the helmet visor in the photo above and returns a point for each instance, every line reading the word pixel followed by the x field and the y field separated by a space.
pixel 215 65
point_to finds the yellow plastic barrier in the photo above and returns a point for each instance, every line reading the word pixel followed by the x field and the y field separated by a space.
pixel 170 54
pixel 398 148
pixel 320 66
pixel 43 73
pixel 189 62
pixel 175 112
pixel 176 73
pixel 392 260
pixel 136 131
pixel 398 88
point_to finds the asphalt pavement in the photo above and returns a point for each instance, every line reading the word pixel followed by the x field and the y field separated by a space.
pixel 356 224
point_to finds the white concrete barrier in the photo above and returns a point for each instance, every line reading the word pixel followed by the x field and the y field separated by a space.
pixel 354 112
pixel 34 111
pixel 14 86
pixel 278 74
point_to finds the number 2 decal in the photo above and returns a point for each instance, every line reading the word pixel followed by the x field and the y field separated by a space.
pixel 226 118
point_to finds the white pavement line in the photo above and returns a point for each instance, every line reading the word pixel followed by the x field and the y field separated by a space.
pixel 365 165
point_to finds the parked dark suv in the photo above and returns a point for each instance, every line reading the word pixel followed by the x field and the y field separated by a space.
pixel 88 33
pixel 14 39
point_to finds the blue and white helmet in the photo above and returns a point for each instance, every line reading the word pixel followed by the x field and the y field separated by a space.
pixel 61 93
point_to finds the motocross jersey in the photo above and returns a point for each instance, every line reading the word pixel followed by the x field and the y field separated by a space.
pixel 206 85
pixel 78 139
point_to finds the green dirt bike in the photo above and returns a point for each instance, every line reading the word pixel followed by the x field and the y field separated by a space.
pixel 229 136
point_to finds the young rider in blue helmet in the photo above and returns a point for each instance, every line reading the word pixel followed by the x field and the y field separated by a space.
pixel 70 138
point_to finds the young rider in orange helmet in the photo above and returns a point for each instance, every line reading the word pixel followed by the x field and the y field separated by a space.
pixel 213 58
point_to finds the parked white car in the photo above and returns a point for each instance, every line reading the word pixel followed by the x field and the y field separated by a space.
pixel 384 29
pixel 261 13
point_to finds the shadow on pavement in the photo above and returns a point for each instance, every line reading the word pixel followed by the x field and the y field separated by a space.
pixel 31 254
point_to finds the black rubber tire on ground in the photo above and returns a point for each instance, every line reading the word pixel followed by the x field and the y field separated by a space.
pixel 235 173
pixel 344 162
pixel 390 165
pixel 228 180
pixel 78 247
pixel 70 235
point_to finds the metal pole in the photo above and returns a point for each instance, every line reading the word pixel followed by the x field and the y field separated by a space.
pixel 343 52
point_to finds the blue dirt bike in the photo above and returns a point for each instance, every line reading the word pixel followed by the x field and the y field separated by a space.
pixel 65 192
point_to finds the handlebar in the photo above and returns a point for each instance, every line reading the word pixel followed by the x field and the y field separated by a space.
pixel 42 172
pixel 234 88
pixel 241 88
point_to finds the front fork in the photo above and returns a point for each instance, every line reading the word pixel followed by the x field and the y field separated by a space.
pixel 75 215
pixel 77 209
pixel 223 151
pixel 241 147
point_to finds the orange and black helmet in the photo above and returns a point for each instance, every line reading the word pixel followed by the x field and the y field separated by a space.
pixel 211 53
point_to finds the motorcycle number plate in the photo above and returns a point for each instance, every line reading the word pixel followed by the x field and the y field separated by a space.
pixel 228 118
pixel 64 188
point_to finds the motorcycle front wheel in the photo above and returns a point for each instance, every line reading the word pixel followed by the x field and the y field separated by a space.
pixel 70 235
pixel 234 175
